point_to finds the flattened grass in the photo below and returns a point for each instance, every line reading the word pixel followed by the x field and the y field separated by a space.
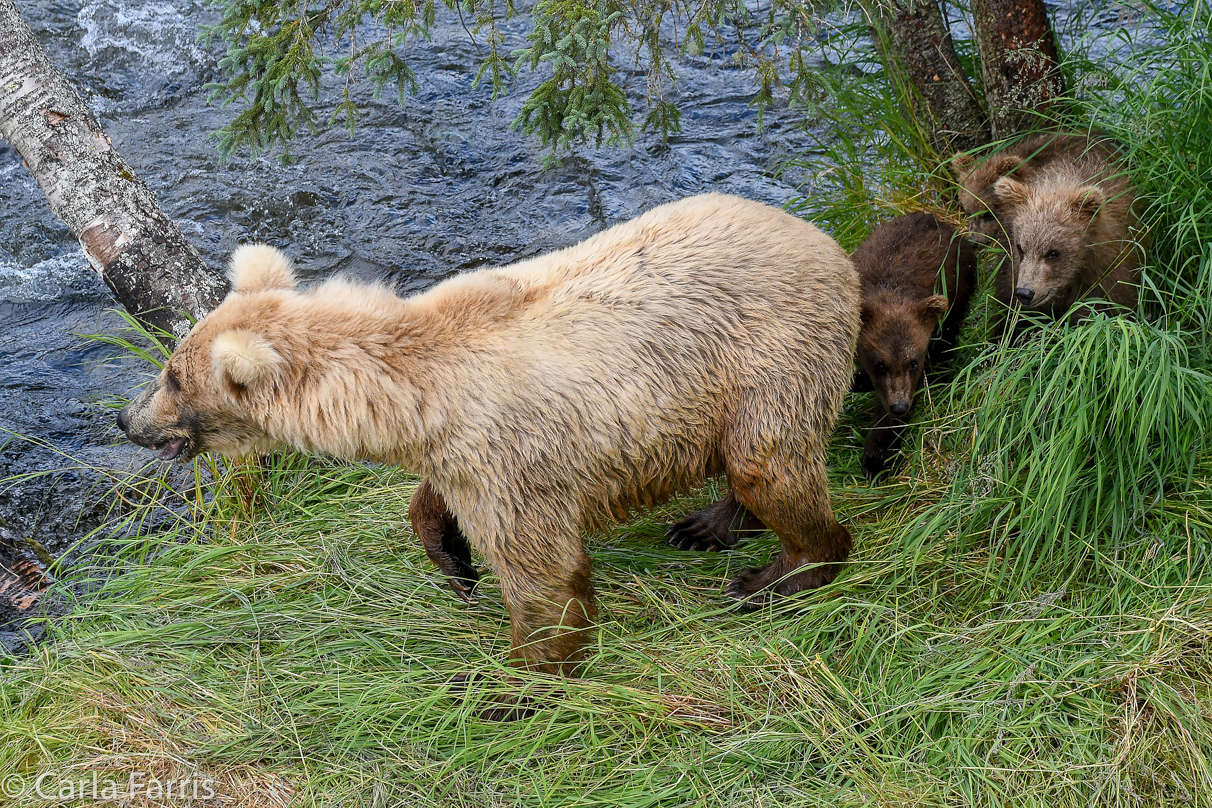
pixel 307 649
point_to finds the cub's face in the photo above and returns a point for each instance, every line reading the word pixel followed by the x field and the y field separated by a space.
pixel 213 391
pixel 1048 241
pixel 893 344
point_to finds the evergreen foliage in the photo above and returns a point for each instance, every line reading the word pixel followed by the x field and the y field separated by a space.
pixel 278 52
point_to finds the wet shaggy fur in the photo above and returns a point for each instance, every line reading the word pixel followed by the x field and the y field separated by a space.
pixel 708 336
pixel 1072 231
pixel 917 275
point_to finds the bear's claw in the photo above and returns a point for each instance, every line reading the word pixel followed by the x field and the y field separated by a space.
pixel 761 586
pixel 696 532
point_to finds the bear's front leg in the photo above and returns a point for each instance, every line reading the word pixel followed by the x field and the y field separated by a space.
pixel 883 442
pixel 549 597
pixel 444 542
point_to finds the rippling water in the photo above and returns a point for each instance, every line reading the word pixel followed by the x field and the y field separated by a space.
pixel 438 186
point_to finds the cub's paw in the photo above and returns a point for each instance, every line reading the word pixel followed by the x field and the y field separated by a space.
pixel 875 464
pixel 452 557
pixel 700 531
pixel 760 586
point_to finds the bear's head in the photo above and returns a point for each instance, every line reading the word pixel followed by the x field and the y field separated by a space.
pixel 978 196
pixel 1049 239
pixel 893 343
pixel 222 375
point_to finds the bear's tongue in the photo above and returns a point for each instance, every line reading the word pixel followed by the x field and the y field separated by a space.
pixel 171 450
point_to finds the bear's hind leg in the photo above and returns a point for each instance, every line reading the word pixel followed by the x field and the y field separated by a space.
pixel 442 539
pixel 716 527
pixel 792 499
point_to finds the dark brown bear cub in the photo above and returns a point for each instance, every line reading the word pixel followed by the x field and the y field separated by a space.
pixel 917 275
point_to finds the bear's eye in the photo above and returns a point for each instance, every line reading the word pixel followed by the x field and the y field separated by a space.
pixel 1018 248
pixel 914 364
pixel 987 216
pixel 171 384
pixel 880 368
pixel 1052 255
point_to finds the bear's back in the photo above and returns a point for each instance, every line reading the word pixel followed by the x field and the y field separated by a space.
pixel 711 275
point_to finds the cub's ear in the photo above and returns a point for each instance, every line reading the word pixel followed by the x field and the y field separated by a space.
pixel 259 268
pixel 1087 201
pixel 933 308
pixel 962 164
pixel 244 358
pixel 1003 165
pixel 1011 192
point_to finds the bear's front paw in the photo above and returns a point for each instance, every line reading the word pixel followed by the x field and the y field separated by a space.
pixel 493 705
pixel 759 586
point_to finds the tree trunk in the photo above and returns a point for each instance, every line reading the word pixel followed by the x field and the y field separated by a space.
pixel 1019 62
pixel 912 36
pixel 142 255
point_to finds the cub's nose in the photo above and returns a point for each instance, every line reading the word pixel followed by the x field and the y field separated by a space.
pixel 123 421
pixel 1024 294
pixel 899 407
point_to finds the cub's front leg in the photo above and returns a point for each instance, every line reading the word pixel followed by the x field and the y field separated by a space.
pixel 883 442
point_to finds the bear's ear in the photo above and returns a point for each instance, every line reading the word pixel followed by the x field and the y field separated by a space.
pixel 1011 192
pixel 259 268
pixel 1086 201
pixel 244 358
pixel 962 164
pixel 932 309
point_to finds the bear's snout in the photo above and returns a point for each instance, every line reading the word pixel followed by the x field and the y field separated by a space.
pixel 1024 294
pixel 899 407
pixel 124 420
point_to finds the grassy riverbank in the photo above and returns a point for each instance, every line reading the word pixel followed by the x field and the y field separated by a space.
pixel 1024 622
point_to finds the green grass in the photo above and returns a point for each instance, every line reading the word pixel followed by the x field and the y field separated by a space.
pixel 1025 620
pixel 294 634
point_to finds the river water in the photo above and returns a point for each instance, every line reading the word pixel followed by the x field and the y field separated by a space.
pixel 421 192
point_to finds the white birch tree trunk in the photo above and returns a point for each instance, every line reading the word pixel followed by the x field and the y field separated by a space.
pixel 139 252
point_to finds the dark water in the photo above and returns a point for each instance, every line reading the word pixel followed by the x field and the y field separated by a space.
pixel 438 186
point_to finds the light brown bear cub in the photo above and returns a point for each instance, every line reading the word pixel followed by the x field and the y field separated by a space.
pixel 712 335
pixel 1074 200
pixel 917 275
pixel 988 216
pixel 1071 236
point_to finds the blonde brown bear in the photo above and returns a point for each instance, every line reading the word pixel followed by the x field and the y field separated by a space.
pixel 712 335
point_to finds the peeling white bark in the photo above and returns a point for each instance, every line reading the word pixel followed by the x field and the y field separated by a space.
pixel 139 252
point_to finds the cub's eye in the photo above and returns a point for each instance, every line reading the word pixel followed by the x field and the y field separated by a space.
pixel 881 368
pixel 171 384
pixel 914 364
pixel 987 216
pixel 1018 248
pixel 1052 255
